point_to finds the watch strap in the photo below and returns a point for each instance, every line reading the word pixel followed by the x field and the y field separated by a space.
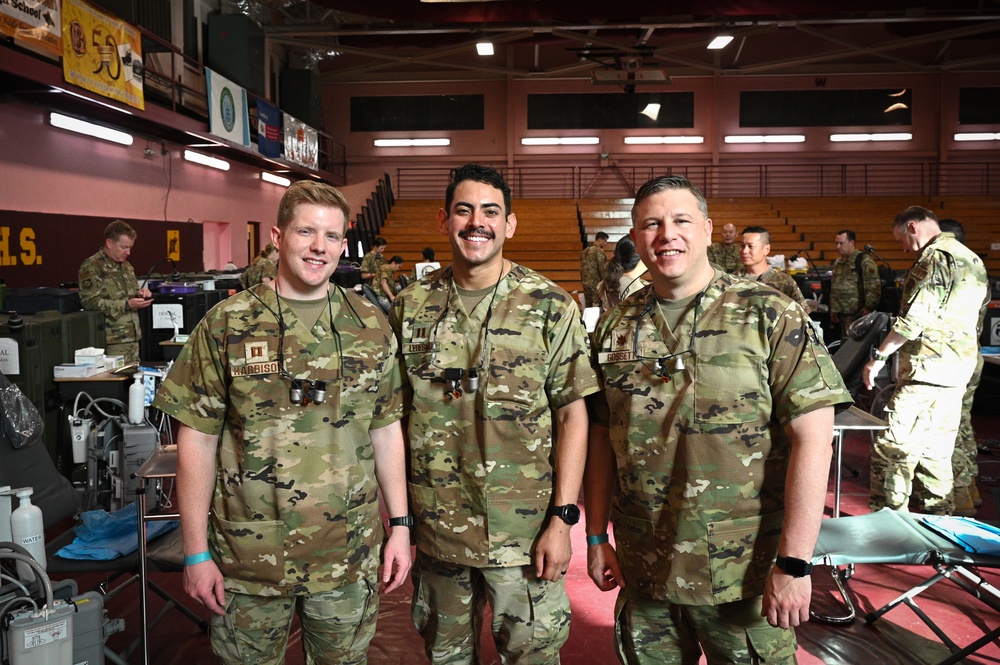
pixel 792 566
pixel 405 520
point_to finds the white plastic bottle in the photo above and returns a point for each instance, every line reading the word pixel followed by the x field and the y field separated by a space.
pixel 136 400
pixel 29 532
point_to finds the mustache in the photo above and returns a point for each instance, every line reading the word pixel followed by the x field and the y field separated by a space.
pixel 479 231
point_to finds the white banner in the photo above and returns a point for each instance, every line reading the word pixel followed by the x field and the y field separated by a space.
pixel 227 109
pixel 36 22
pixel 301 143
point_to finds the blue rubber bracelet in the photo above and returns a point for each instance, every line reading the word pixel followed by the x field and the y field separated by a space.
pixel 200 557
pixel 597 540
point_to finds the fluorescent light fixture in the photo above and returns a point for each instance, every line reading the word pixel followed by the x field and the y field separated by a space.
pixel 205 160
pixel 720 42
pixel 772 138
pixel 484 48
pixel 977 136
pixel 652 111
pixel 276 179
pixel 89 129
pixel 560 140
pixel 411 143
pixel 855 138
pixel 663 140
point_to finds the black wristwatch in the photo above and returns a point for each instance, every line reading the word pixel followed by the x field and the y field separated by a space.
pixel 792 566
pixel 570 513
pixel 406 520
pixel 877 355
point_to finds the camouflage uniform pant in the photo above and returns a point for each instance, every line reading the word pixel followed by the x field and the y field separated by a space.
pixel 129 350
pixel 337 626
pixel 845 322
pixel 963 460
pixel 913 456
pixel 655 632
pixel 530 616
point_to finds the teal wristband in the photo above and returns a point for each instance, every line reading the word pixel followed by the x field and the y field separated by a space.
pixel 597 540
pixel 200 557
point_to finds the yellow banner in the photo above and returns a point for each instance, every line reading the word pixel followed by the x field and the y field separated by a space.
pixel 36 23
pixel 101 53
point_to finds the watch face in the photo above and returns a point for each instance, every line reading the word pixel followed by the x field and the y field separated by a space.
pixel 571 513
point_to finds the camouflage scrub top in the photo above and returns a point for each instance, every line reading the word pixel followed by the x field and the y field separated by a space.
pixel 593 267
pixel 295 509
pixel 702 457
pixel 388 273
pixel 780 281
pixel 371 262
pixel 844 288
pixel 258 269
pixel 943 294
pixel 482 465
pixel 106 287
pixel 725 257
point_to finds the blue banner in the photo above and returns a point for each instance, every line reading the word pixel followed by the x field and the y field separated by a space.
pixel 268 130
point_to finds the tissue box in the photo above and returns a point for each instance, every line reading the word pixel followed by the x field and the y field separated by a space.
pixel 113 362
pixel 89 356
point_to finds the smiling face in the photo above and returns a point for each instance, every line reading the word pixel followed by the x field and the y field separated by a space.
pixel 309 248
pixel 672 236
pixel 477 226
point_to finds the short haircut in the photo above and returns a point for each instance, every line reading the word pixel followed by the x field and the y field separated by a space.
pixel 764 233
pixel 310 191
pixel 849 233
pixel 601 235
pixel 396 259
pixel 657 185
pixel 118 228
pixel 477 173
pixel 380 242
pixel 954 226
pixel 428 253
pixel 913 214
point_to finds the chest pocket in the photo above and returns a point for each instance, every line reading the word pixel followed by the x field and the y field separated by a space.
pixel 728 388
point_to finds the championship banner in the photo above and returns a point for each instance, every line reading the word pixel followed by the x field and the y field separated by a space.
pixel 101 53
pixel 35 23
pixel 301 143
pixel 268 130
pixel 227 109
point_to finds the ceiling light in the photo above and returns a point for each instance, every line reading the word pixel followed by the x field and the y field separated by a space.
pixel 89 129
pixel 560 140
pixel 411 143
pixel 661 140
pixel 854 138
pixel 484 48
pixel 720 42
pixel 977 136
pixel 772 138
pixel 652 111
pixel 276 179
pixel 205 160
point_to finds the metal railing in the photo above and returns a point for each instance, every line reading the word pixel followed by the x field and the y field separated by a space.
pixel 924 179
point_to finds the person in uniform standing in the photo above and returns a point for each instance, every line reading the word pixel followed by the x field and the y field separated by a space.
pixel 726 255
pixel 754 250
pixel 855 290
pixel 108 285
pixel 709 450
pixel 497 366
pixel 372 261
pixel 289 398
pixel 937 337
pixel 593 268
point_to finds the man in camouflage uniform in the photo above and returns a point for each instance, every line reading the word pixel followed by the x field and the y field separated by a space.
pixel 289 397
pixel 754 250
pixel 372 261
pixel 726 255
pixel 385 279
pixel 709 450
pixel 938 343
pixel 497 364
pixel 262 269
pixel 108 285
pixel 851 298
pixel 593 267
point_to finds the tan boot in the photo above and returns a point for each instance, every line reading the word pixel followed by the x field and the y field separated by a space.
pixel 974 493
pixel 963 503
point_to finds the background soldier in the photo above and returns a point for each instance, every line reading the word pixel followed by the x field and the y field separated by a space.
pixel 856 289
pixel 262 269
pixel 938 342
pixel 726 255
pixel 593 267
pixel 108 285
pixel 290 403
pixel 372 261
pixel 497 365
pixel 754 250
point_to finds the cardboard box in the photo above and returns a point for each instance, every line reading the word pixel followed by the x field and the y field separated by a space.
pixel 69 370
pixel 113 362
